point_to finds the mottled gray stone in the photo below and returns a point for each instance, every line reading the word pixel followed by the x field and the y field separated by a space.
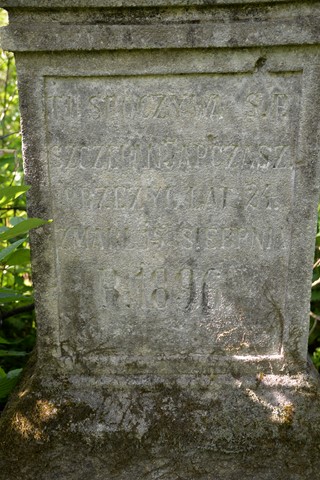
pixel 176 150
pixel 45 4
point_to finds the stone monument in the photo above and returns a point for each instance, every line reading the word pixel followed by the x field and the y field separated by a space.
pixel 174 143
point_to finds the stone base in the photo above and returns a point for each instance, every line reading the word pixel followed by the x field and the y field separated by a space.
pixel 208 428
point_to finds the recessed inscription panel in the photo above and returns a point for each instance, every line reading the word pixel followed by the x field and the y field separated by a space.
pixel 172 201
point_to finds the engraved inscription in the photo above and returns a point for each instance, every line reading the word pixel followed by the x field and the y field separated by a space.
pixel 155 106
pixel 261 104
pixel 189 238
pixel 196 197
pixel 171 195
pixel 160 105
pixel 171 155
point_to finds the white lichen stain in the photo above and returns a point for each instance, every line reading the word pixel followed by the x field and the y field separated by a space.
pixel 253 396
pixel 228 332
pixel 284 414
pixel 46 410
pixel 280 413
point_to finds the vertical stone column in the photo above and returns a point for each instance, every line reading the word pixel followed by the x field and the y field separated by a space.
pixel 175 147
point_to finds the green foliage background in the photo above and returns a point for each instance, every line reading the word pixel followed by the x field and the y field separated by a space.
pixel 314 335
pixel 17 322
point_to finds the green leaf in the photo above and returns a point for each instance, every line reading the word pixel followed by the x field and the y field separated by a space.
pixel 2 373
pixel 8 382
pixel 7 295
pixel 14 373
pixel 4 341
pixel 19 257
pixel 8 291
pixel 6 386
pixel 15 220
pixel 8 194
pixel 6 252
pixel 315 295
pixel 22 228
pixel 12 353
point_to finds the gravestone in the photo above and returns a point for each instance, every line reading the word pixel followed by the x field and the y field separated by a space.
pixel 175 146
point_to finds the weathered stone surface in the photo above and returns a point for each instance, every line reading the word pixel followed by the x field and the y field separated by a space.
pixel 151 427
pixel 173 285
pixel 195 26
pixel 180 186
pixel 45 4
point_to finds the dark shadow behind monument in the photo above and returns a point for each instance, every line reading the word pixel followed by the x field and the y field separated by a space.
pixel 175 146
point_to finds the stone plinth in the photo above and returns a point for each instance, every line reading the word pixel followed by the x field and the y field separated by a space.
pixel 175 147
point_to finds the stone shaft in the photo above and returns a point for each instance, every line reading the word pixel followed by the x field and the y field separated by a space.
pixel 175 146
